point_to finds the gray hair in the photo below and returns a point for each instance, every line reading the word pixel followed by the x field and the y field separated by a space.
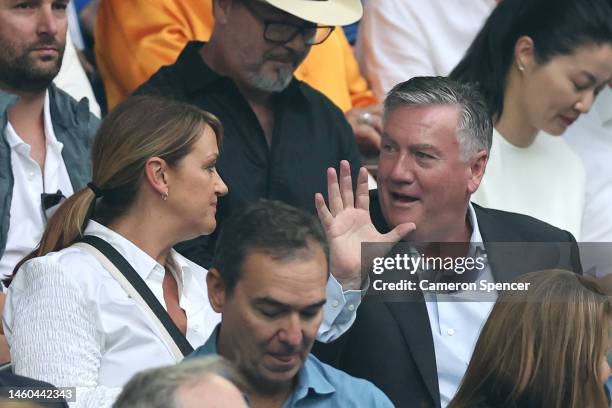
pixel 157 387
pixel 475 128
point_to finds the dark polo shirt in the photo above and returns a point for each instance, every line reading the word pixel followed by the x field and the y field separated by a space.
pixel 310 134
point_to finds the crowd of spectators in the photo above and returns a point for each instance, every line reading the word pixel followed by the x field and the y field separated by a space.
pixel 193 194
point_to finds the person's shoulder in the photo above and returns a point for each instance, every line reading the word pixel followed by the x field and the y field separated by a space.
pixel 527 228
pixel 201 351
pixel 317 100
pixel 206 349
pixel 66 104
pixel 79 124
pixel 6 99
pixel 348 388
pixel 70 264
pixel 169 80
pixel 165 82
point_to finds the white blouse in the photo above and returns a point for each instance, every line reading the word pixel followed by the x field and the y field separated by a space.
pixel 68 322
pixel 545 180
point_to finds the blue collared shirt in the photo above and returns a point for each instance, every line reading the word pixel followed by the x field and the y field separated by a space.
pixel 319 385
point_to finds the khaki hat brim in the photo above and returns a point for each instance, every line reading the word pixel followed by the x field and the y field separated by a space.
pixel 324 12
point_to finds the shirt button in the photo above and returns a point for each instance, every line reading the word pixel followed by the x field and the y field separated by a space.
pixel 31 175
pixel 351 307
pixel 450 332
pixel 335 303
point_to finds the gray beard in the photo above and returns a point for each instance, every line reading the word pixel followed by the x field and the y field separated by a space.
pixel 276 83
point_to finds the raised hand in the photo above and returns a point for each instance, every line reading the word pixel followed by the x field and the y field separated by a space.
pixel 347 224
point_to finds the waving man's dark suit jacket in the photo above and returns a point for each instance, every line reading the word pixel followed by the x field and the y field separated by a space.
pixel 391 344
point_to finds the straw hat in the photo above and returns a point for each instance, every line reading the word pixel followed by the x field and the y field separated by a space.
pixel 324 12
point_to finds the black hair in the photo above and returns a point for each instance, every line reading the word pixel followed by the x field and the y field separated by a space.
pixel 557 27
pixel 270 227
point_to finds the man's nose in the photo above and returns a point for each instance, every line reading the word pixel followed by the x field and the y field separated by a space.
pixel 47 20
pixel 291 332
pixel 403 169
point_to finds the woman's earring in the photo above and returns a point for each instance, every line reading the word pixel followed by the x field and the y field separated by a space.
pixel 165 196
pixel 521 67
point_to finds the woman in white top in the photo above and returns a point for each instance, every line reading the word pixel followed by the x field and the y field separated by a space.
pixel 154 184
pixel 539 64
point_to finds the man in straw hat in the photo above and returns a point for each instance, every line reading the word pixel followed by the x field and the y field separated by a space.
pixel 280 134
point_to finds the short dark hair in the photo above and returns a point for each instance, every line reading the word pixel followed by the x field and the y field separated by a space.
pixel 474 130
pixel 557 27
pixel 271 227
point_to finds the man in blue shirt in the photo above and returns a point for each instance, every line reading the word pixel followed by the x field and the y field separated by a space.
pixel 268 281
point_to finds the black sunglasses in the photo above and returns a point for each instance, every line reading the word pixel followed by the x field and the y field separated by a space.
pixel 280 32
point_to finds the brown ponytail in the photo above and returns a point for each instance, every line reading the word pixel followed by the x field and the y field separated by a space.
pixel 139 128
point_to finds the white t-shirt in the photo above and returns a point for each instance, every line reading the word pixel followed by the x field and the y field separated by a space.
pixel 27 218
pixel 401 39
pixel 545 180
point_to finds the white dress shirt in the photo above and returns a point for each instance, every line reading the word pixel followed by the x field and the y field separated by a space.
pixel 545 180
pixel 70 323
pixel 27 218
pixel 455 327
pixel 591 138
pixel 401 39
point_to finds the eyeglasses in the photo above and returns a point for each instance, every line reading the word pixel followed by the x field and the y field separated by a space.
pixel 280 32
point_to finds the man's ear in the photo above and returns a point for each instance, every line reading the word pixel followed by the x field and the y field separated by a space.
pixel 478 163
pixel 216 289
pixel 156 174
pixel 524 53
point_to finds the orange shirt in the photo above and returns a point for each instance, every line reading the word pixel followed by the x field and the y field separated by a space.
pixel 135 38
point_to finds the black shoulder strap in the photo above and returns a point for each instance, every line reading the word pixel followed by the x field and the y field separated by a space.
pixel 141 287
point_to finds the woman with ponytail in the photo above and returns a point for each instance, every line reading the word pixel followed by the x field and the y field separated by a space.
pixel 154 184
pixel 540 64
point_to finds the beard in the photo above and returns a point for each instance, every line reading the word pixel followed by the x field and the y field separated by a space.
pixel 276 82
pixel 280 77
pixel 22 71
